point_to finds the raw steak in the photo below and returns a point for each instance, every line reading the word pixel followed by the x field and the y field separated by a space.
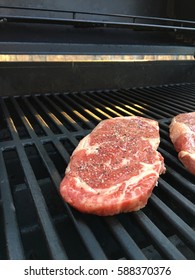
pixel 182 134
pixel 115 168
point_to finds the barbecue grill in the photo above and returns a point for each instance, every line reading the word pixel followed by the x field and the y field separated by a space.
pixel 55 90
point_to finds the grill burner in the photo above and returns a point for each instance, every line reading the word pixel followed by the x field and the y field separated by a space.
pixel 37 136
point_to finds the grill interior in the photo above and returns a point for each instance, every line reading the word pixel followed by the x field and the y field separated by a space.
pixel 37 136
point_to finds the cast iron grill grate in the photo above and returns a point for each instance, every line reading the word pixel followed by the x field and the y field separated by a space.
pixel 37 136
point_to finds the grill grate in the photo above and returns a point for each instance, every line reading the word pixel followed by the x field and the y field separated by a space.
pixel 39 133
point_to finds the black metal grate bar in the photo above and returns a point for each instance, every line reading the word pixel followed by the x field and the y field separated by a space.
pixel 131 249
pixel 12 232
pixel 50 127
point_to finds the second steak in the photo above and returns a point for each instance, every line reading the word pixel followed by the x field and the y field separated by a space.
pixel 182 134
